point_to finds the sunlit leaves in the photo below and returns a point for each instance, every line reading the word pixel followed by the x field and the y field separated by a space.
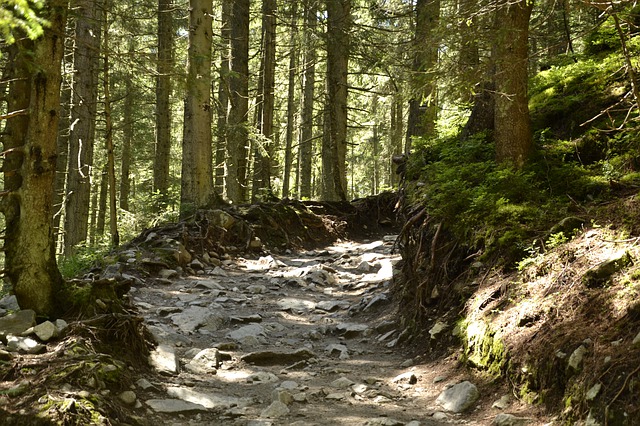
pixel 21 15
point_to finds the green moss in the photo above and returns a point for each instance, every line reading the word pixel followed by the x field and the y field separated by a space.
pixel 484 349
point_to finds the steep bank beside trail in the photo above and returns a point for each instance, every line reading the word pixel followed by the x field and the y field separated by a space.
pixel 561 327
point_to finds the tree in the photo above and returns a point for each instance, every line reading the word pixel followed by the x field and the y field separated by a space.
pixel 514 143
pixel 423 104
pixel 265 103
pixel 164 67
pixel 30 165
pixel 291 99
pixel 237 129
pixel 223 95
pixel 196 189
pixel 83 118
pixel 308 95
pixel 338 24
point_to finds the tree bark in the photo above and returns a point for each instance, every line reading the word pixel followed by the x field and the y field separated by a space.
pixel 127 137
pixel 196 189
pixel 265 103
pixel 30 171
pixel 306 118
pixel 83 117
pixel 164 68
pixel 111 169
pixel 423 105
pixel 223 97
pixel 291 100
pixel 514 143
pixel 238 132
pixel 338 24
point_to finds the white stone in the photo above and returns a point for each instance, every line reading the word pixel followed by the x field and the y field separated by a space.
pixel 251 330
pixel 191 318
pixel 173 406
pixel 275 410
pixel 503 419
pixel 342 383
pixel 164 360
pixel 593 392
pixel 459 397
pixel 128 397
pixel 45 331
pixel 575 360
pixel 438 328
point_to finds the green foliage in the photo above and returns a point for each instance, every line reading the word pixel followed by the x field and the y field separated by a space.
pixel 84 258
pixel 603 40
pixel 482 203
pixel 20 15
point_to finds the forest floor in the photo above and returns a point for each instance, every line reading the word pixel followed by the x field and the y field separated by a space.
pixel 313 329
pixel 309 335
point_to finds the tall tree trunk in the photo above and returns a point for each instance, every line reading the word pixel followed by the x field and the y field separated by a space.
pixel 223 96
pixel 83 119
pixel 338 25
pixel 196 189
pixel 291 100
pixel 396 121
pixel 514 143
pixel 63 155
pixel 30 167
pixel 127 137
pixel 306 118
pixel 101 207
pixel 266 102
pixel 423 105
pixel 164 68
pixel 111 169
pixel 238 132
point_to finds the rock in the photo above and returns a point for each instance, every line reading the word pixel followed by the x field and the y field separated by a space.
pixel 283 396
pixel 384 421
pixel 144 384
pixel 207 361
pixel 262 377
pixel 593 392
pixel 502 403
pixel 112 272
pixel 174 406
pixel 191 318
pixel 336 396
pixel 331 305
pixel 409 378
pixel 167 273
pixel 128 397
pixel 636 340
pixel 359 388
pixel 9 303
pixel 255 243
pixel 61 325
pixel 205 399
pixel 220 218
pixel 459 397
pixel 503 419
pixel 293 304
pixel 438 328
pixel 182 255
pixel 275 410
pixel 277 358
pixel 17 323
pixel 24 344
pixel 288 385
pixel 350 331
pixel 338 351
pixel 601 274
pixel 257 289
pixel 439 415
pixel 45 331
pixel 342 383
pixel 164 360
pixel 246 319
pixel 251 330
pixel 376 301
pixel 575 360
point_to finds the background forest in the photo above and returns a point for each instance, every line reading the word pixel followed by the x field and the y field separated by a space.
pixel 167 103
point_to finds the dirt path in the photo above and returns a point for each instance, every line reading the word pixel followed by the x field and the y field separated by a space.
pixel 298 339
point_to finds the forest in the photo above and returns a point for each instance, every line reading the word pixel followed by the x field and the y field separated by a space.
pixel 500 138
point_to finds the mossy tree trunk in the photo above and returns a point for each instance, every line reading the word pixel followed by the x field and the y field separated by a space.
pixel 30 166
pixel 514 143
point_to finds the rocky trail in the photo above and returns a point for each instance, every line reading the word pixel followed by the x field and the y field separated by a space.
pixel 296 339
pixel 242 333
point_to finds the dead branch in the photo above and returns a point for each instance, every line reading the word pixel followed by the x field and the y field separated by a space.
pixel 14 114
